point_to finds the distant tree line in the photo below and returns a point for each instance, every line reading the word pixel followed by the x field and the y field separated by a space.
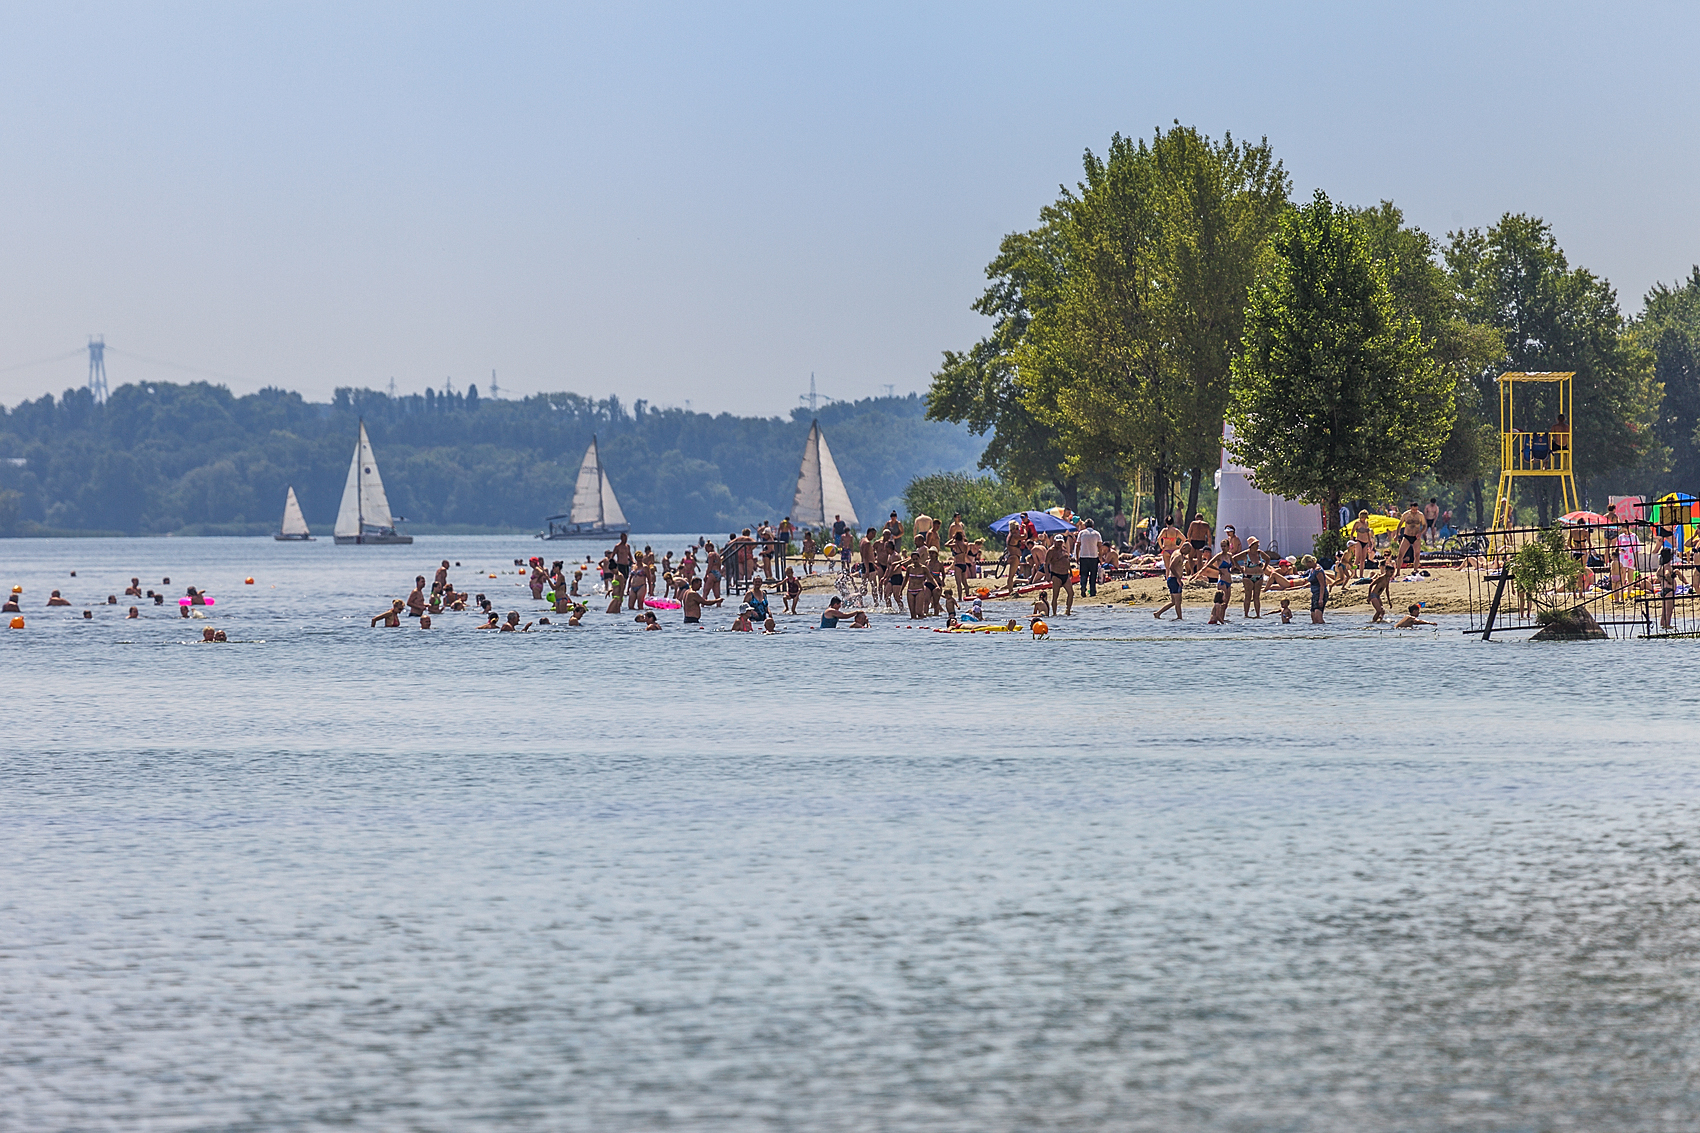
pixel 1177 286
pixel 195 458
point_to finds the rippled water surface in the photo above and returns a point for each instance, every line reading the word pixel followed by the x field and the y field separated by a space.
pixel 1138 877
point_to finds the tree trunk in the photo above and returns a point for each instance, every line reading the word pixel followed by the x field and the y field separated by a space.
pixel 1476 494
pixel 1192 496
pixel 1331 516
pixel 1543 507
pixel 1160 494
pixel 1070 490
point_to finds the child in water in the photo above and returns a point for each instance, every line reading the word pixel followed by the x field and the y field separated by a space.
pixel 1286 610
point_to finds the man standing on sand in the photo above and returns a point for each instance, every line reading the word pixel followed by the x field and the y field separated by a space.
pixel 1119 529
pixel 957 527
pixel 1086 548
pixel 839 527
pixel 1412 526
pixel 1058 566
pixel 1198 536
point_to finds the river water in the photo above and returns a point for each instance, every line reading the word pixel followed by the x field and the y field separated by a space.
pixel 1138 877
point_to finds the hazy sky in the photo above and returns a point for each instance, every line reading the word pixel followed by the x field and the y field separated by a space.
pixel 708 202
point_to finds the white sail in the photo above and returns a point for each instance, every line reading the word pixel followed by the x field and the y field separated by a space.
pixel 820 489
pixel 364 504
pixel 612 516
pixel 588 495
pixel 294 523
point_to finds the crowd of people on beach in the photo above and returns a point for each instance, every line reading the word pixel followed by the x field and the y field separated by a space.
pixel 923 569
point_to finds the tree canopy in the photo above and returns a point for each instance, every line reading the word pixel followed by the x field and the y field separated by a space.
pixel 1335 395
pixel 196 458
pixel 1515 278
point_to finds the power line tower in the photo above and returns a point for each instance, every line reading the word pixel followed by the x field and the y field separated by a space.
pixel 495 390
pixel 97 367
pixel 392 387
pixel 813 398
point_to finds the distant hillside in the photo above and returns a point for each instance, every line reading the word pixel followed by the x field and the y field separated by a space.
pixel 196 459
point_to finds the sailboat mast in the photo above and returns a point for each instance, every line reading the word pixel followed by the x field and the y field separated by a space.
pixel 360 484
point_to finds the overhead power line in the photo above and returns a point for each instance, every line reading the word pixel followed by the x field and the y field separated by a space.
pixel 42 361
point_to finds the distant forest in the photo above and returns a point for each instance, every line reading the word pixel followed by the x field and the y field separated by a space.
pixel 195 459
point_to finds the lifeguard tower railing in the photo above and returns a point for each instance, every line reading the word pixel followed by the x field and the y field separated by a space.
pixel 1618 585
pixel 1526 453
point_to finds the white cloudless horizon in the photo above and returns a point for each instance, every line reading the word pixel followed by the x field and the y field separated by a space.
pixel 708 203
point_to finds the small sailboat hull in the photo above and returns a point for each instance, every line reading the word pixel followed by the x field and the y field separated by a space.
pixel 582 530
pixel 372 540
pixel 293 538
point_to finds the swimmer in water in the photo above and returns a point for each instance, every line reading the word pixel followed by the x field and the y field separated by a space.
pixel 425 622
pixel 390 617
pixel 56 600
pixel 218 635
pixel 512 624
pixel 650 621
pixel 133 614
pixel 742 625
pixel 859 621
pixel 769 626
pixel 134 590
pixel 1411 619
pixel 494 622
pixel 1286 610
pixel 209 635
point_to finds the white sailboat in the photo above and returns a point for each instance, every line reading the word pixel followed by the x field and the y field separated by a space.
pixel 821 496
pixel 294 529
pixel 594 510
pixel 364 516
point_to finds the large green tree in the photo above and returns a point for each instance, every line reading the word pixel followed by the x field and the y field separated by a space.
pixel 1669 327
pixel 1515 278
pixel 1335 395
pixel 1160 241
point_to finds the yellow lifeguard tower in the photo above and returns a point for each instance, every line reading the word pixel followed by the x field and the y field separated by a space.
pixel 1527 453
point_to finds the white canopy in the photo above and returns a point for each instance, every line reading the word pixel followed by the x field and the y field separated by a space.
pixel 1283 526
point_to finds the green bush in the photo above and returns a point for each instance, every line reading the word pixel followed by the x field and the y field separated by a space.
pixel 980 499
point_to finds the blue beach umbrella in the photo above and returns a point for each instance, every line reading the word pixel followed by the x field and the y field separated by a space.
pixel 1042 521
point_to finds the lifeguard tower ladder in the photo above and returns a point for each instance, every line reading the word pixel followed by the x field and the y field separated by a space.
pixel 1524 453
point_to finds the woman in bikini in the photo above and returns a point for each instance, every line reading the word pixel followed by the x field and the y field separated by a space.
pixel 711 572
pixel 1363 541
pixel 959 564
pixel 915 577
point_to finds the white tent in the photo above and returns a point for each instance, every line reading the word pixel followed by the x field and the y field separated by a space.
pixel 1281 525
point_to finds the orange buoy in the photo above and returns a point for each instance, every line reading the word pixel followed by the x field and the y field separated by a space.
pixel 18 622
pixel 249 581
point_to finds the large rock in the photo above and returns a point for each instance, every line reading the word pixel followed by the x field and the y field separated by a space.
pixel 1571 625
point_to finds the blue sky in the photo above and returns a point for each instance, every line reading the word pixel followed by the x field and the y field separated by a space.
pixel 708 202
